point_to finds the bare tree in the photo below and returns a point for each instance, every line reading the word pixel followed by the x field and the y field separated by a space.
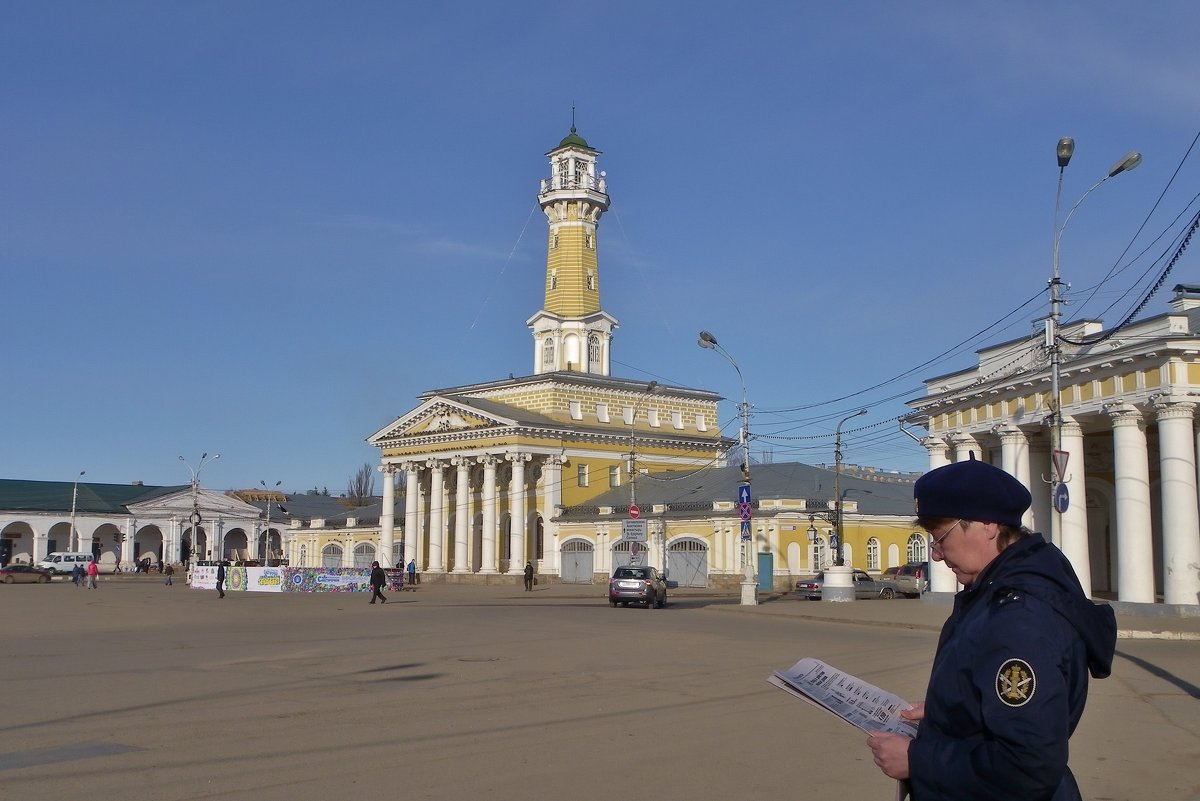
pixel 361 489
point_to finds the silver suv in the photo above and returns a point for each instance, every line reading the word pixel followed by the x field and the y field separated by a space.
pixel 913 579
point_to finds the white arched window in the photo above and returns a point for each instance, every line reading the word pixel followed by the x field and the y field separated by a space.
pixel 917 547
pixel 818 553
pixel 364 554
pixel 331 555
pixel 548 352
pixel 872 554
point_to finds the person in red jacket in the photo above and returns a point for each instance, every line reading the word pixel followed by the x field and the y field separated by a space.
pixel 92 572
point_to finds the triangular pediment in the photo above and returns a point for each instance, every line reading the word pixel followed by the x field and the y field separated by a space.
pixel 440 416
pixel 180 503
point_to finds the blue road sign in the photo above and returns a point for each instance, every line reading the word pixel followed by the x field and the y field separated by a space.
pixel 745 531
pixel 743 493
pixel 1062 498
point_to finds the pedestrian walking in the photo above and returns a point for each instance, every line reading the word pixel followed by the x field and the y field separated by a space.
pixel 1010 675
pixel 93 573
pixel 378 580
pixel 169 571
pixel 412 572
pixel 77 575
pixel 528 577
pixel 220 579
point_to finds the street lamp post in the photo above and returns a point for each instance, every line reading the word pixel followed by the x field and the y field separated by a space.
pixel 195 519
pixel 651 388
pixel 745 503
pixel 837 483
pixel 75 545
pixel 267 529
pixel 1064 150
pixel 839 579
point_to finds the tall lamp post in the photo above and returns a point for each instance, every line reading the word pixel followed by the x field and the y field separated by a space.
pixel 634 512
pixel 75 545
pixel 837 486
pixel 195 519
pixel 267 529
pixel 745 502
pixel 1060 498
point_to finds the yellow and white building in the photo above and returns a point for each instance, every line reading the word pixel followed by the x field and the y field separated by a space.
pixel 1128 401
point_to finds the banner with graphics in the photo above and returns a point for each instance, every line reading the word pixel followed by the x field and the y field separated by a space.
pixel 292 579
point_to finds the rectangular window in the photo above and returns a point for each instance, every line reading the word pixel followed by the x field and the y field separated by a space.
pixel 652 417
pixel 614 476
pixel 582 473
pixel 700 424
pixel 602 412
pixel 677 420
pixel 576 410
pixel 627 415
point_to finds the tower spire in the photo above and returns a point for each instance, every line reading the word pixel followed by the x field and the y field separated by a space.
pixel 572 332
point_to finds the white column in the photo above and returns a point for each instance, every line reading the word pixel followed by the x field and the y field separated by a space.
pixel 1131 466
pixel 516 509
pixel 462 514
pixel 964 446
pixel 412 522
pixel 437 506
pixel 488 550
pixel 1180 518
pixel 939 452
pixel 1074 521
pixel 551 496
pixel 941 578
pixel 1014 458
pixel 387 517
pixel 347 550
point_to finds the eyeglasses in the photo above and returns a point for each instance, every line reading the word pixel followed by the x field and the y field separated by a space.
pixel 935 544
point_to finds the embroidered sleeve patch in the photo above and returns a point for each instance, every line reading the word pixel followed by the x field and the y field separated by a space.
pixel 1015 683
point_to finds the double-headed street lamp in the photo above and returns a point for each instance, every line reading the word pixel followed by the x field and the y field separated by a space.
pixel 267 529
pixel 745 502
pixel 1064 151
pixel 195 519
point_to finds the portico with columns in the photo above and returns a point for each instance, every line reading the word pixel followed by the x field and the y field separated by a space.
pixel 1131 527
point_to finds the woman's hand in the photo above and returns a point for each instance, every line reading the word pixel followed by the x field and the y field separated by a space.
pixel 891 753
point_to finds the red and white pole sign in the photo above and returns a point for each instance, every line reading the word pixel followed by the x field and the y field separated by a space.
pixel 1060 464
pixel 634 511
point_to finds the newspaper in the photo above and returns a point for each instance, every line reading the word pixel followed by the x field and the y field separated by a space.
pixel 849 697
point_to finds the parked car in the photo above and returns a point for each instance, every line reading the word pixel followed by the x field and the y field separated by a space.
pixel 865 586
pixel 25 574
pixel 913 579
pixel 890 573
pixel 643 585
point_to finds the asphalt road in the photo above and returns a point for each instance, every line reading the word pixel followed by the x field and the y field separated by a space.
pixel 140 691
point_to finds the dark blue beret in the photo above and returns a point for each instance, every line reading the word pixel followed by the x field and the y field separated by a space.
pixel 971 490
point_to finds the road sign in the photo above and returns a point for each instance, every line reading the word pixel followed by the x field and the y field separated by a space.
pixel 633 530
pixel 745 531
pixel 1060 463
pixel 1062 498
pixel 744 511
pixel 634 511
pixel 743 493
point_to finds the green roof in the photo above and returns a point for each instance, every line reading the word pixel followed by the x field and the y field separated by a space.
pixel 573 140
pixel 55 496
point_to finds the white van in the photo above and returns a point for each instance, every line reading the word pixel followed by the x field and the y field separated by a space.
pixel 64 561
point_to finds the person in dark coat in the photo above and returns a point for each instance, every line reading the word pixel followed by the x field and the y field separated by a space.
pixel 528 577
pixel 220 579
pixel 1010 675
pixel 378 582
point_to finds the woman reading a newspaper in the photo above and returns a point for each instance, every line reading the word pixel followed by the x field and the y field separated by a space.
pixel 1010 676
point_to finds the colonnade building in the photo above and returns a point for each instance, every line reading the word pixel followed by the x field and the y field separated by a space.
pixel 1130 523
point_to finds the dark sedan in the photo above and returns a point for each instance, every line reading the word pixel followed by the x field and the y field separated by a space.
pixel 24 574
pixel 865 586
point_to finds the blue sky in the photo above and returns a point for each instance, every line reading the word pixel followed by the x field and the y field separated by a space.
pixel 263 228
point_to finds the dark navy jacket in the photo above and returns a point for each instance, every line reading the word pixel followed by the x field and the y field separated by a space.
pixel 1010 681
